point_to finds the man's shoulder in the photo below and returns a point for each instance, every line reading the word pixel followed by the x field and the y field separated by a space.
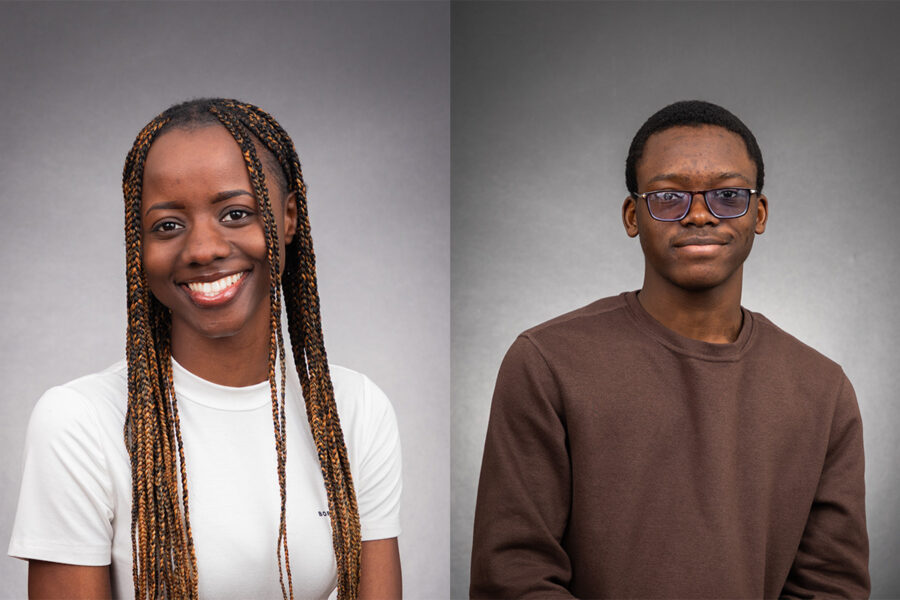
pixel 591 333
pixel 794 363
pixel 607 311
pixel 775 341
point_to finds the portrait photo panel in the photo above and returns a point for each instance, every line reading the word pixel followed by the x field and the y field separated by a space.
pixel 362 89
pixel 546 99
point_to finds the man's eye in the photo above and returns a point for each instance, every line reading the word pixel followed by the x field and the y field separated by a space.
pixel 669 196
pixel 236 214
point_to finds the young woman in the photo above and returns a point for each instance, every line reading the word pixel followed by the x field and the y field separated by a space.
pixel 199 498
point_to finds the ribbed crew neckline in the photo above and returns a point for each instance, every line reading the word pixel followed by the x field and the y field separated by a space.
pixel 687 346
pixel 221 397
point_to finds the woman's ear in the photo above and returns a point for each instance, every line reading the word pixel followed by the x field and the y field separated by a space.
pixel 290 217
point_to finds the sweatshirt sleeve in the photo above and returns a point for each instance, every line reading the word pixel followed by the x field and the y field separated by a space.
pixel 833 557
pixel 524 492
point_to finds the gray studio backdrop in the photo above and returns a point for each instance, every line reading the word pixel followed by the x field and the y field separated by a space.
pixel 363 89
pixel 545 101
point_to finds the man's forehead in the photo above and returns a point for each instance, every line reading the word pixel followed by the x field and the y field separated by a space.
pixel 707 142
pixel 686 154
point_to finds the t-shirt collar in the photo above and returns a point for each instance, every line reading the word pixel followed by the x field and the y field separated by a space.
pixel 200 391
pixel 684 345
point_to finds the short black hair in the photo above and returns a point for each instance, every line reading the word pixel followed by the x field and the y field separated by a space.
pixel 690 113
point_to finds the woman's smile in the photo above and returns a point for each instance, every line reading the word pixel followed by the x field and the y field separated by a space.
pixel 217 292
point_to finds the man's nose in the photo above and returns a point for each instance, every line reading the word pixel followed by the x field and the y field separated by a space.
pixel 699 213
pixel 205 243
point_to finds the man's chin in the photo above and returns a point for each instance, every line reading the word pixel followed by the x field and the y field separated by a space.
pixel 699 281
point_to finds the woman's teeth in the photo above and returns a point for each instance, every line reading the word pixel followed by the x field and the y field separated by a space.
pixel 214 287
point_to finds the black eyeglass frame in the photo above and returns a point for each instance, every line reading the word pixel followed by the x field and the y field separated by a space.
pixel 694 193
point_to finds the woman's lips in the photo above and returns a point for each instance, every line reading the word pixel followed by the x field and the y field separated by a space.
pixel 214 293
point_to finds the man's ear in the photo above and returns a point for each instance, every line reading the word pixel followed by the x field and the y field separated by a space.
pixel 290 217
pixel 629 216
pixel 762 214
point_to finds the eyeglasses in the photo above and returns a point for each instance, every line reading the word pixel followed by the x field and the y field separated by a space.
pixel 674 205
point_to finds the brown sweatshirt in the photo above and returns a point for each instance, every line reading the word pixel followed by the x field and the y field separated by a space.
pixel 624 460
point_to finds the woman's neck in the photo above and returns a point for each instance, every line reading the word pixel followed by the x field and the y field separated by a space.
pixel 234 361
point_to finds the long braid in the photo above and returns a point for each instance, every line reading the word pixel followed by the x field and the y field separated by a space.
pixel 304 323
pixel 276 340
pixel 165 563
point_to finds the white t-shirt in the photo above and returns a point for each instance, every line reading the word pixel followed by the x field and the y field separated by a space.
pixel 75 501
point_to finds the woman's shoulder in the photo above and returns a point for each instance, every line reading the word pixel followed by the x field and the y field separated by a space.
pixel 360 402
pixel 373 444
pixel 98 400
pixel 354 389
pixel 111 381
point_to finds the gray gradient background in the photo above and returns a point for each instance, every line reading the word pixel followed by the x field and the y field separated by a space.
pixel 545 101
pixel 363 89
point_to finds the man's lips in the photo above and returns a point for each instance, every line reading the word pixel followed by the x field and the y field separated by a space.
pixel 213 289
pixel 699 241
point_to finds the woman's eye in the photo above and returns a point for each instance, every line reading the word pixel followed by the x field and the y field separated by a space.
pixel 236 214
pixel 167 226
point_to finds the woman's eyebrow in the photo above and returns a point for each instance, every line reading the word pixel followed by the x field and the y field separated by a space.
pixel 219 197
pixel 165 205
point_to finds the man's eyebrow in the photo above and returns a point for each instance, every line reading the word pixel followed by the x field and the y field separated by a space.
pixel 716 176
pixel 220 197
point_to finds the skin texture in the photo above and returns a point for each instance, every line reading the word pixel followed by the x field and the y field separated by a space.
pixel 191 231
pixel 48 580
pixel 693 268
pixel 379 570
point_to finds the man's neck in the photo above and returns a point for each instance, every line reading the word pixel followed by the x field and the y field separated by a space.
pixel 711 315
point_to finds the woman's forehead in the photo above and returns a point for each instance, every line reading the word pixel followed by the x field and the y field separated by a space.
pixel 207 150
pixel 178 149
pixel 184 163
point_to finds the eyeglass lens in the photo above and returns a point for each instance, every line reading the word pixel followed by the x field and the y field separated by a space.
pixel 723 203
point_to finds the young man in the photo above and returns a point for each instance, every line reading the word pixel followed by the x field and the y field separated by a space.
pixel 668 442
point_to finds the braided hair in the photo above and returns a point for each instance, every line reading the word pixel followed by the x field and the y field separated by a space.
pixel 164 560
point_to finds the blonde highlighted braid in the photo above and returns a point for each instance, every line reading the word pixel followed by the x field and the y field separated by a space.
pixel 165 563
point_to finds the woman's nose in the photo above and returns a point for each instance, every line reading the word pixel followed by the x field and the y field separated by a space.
pixel 205 243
